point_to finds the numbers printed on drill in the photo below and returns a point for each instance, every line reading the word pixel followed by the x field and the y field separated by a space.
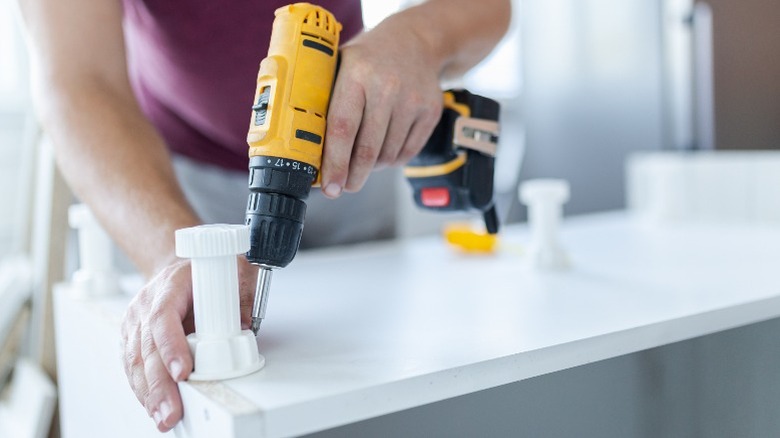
pixel 294 165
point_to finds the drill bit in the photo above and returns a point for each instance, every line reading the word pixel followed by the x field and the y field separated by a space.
pixel 261 297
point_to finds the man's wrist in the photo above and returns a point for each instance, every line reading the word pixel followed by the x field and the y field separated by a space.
pixel 454 34
pixel 166 254
pixel 431 40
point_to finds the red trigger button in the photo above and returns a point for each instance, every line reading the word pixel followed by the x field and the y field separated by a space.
pixel 435 196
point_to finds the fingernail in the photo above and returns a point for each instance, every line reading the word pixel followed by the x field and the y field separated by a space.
pixel 157 417
pixel 176 369
pixel 165 411
pixel 333 190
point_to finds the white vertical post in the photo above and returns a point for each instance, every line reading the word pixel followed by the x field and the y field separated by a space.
pixel 215 296
pixel 96 275
pixel 545 199
pixel 220 349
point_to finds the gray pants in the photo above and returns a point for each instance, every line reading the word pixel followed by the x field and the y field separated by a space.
pixel 220 196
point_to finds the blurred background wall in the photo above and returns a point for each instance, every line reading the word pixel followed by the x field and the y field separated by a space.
pixel 14 120
pixel 583 84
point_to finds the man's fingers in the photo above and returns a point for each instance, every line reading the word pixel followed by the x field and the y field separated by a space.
pixel 400 123
pixel 134 365
pixel 247 281
pixel 344 115
pixel 169 339
pixel 165 325
pixel 163 402
pixel 369 140
pixel 418 135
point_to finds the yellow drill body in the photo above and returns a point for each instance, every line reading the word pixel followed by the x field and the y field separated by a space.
pixel 297 77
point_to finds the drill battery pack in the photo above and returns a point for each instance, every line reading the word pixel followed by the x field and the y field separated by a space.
pixel 454 171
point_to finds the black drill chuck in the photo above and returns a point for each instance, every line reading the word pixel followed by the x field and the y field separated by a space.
pixel 276 210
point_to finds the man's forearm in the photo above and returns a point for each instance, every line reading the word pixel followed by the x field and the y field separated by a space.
pixel 458 33
pixel 115 161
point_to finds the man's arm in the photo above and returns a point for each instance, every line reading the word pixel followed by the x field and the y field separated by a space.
pixel 386 100
pixel 111 156
pixel 116 162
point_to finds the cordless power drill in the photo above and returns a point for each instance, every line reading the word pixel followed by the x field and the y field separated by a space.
pixel 454 172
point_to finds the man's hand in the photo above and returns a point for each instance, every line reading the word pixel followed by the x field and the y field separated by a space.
pixel 387 99
pixel 386 103
pixel 156 353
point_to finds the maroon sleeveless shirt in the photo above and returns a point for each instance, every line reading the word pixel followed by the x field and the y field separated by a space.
pixel 193 66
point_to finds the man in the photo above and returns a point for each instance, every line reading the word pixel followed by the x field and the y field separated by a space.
pixel 122 87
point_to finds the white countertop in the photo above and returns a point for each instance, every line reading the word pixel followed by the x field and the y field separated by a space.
pixel 360 332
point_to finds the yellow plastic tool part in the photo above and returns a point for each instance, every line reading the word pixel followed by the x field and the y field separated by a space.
pixel 461 108
pixel 298 76
pixel 452 165
pixel 470 240
pixel 437 169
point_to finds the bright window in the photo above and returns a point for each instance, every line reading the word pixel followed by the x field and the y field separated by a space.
pixel 374 11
